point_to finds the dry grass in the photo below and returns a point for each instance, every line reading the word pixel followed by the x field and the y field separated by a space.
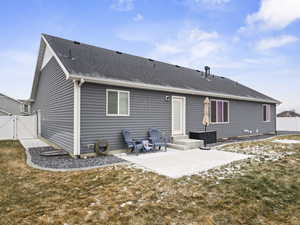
pixel 266 145
pixel 290 137
pixel 266 193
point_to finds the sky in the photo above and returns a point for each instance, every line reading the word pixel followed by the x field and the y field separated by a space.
pixel 255 42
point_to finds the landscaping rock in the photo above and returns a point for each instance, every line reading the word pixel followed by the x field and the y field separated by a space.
pixel 67 162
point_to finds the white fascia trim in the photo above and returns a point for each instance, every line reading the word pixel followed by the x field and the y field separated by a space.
pixel 141 85
pixel 76 134
pixel 67 73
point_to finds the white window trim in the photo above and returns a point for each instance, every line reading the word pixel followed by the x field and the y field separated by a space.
pixel 118 91
pixel 216 100
pixel 21 108
pixel 268 111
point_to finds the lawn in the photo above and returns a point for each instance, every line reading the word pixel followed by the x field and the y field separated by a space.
pixel 261 192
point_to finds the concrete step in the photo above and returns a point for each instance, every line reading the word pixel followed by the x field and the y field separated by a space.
pixel 191 143
pixel 178 147
pixel 186 144
pixel 179 137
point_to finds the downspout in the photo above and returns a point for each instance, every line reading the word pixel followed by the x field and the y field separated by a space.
pixel 77 109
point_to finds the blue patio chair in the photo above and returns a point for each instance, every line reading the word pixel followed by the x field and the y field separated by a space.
pixel 134 145
pixel 157 139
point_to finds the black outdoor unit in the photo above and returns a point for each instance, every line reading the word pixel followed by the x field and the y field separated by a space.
pixel 209 137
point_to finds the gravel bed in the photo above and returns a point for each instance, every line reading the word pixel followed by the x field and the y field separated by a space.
pixel 67 162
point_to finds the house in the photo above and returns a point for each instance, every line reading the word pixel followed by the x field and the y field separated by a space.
pixel 290 113
pixel 82 93
pixel 10 106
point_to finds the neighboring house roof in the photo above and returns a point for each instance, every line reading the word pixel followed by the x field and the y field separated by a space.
pixel 5 112
pixel 11 105
pixel 10 98
pixel 288 114
pixel 105 66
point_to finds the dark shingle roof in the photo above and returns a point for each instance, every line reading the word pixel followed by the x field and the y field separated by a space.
pixel 288 114
pixel 87 60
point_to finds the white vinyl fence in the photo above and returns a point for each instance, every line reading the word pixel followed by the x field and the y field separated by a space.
pixel 18 127
pixel 288 123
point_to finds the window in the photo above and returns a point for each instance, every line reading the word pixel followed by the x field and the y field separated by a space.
pixel 117 103
pixel 25 108
pixel 219 111
pixel 266 113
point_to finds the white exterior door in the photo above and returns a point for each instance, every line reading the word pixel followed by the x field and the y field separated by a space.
pixel 178 115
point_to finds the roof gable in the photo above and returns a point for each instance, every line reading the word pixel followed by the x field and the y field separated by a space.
pixel 45 54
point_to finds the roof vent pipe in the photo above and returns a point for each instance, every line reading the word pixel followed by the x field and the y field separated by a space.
pixel 207 71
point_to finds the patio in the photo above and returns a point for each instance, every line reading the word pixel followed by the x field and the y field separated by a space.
pixel 176 163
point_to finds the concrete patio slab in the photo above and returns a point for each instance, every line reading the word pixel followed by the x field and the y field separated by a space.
pixel 176 163
pixel 33 143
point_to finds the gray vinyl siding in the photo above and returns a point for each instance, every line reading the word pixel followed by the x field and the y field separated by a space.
pixel 10 106
pixel 242 116
pixel 55 100
pixel 149 109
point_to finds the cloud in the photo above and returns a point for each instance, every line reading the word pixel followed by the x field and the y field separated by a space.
pixel 167 48
pixel 200 35
pixel 275 42
pixel 213 2
pixel 122 5
pixel 147 32
pixel 209 2
pixel 138 17
pixel 274 14
pixel 17 65
pixel 205 4
pixel 188 48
